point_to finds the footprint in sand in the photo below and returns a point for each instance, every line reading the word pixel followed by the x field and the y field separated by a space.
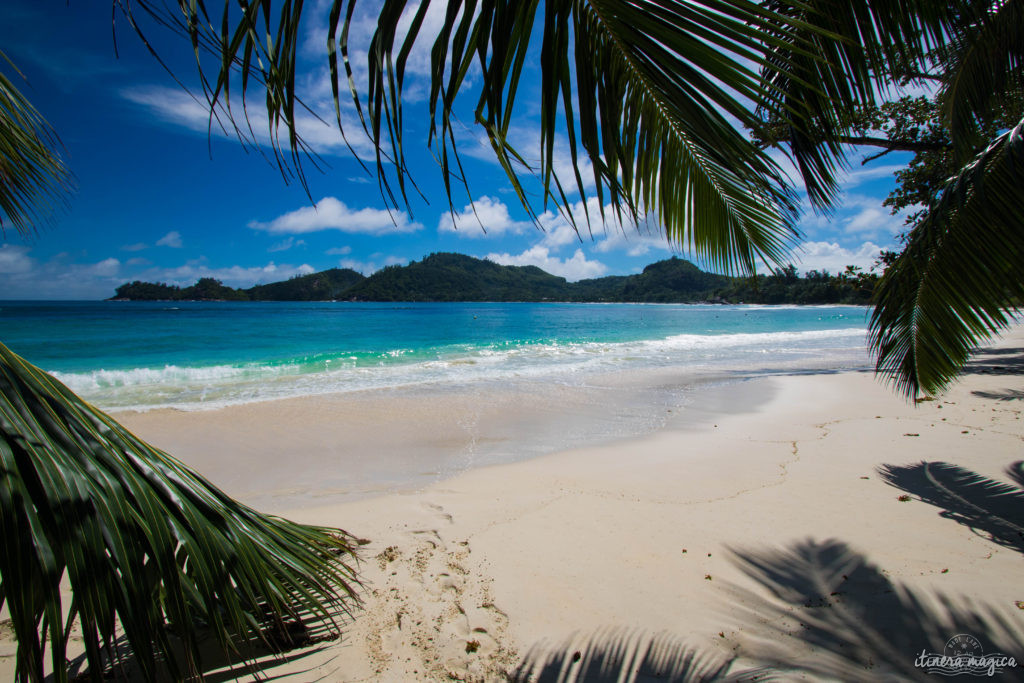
pixel 432 616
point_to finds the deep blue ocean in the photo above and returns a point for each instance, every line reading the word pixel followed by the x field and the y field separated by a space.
pixel 198 355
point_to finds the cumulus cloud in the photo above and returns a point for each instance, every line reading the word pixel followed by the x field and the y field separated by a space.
pixel 24 277
pixel 233 276
pixel 527 142
pixel 171 239
pixel 574 268
pixel 15 259
pixel 608 233
pixel 485 217
pixel 858 214
pixel 108 267
pixel 376 262
pixel 834 258
pixel 331 213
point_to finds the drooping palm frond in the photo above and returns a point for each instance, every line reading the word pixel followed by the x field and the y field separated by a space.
pixel 33 177
pixel 951 286
pixel 658 87
pixel 983 63
pixel 651 85
pixel 148 547
pixel 834 58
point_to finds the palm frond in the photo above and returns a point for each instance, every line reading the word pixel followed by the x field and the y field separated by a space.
pixel 984 63
pixel 148 546
pixel 654 84
pixel 951 286
pixel 33 178
pixel 651 85
pixel 832 58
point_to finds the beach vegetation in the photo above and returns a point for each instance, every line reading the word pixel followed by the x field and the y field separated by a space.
pixel 160 563
pixel 457 277
pixel 323 286
pixel 157 558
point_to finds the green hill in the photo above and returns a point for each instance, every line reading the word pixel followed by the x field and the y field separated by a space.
pixel 672 280
pixel 323 286
pixel 455 277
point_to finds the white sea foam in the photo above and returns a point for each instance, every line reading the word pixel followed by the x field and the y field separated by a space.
pixel 198 388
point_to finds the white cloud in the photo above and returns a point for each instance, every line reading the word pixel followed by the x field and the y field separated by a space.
pixel 609 233
pixel 23 277
pixel 138 246
pixel 106 268
pixel 485 217
pixel 15 259
pixel 171 239
pixel 233 276
pixel 526 141
pixel 60 277
pixel 373 265
pixel 834 258
pixel 869 220
pixel 332 214
pixel 577 267
pixel 339 251
pixel 285 245
pixel 854 178
pixel 180 108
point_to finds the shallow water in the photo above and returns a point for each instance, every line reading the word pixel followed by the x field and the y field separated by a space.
pixel 205 355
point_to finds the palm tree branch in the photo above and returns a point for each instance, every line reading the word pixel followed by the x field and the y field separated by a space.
pixel 672 130
pixel 34 181
pixel 984 62
pixel 145 543
pixel 953 285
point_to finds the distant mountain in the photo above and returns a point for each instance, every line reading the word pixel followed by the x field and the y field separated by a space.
pixel 323 286
pixel 673 280
pixel 456 277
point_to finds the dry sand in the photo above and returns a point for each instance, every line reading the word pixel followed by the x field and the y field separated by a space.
pixel 765 531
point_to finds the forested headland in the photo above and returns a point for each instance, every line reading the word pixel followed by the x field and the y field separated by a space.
pixel 456 277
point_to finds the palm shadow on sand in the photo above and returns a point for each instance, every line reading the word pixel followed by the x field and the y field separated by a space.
pixel 833 614
pixel 614 655
pixel 991 508
pixel 289 642
pixel 819 609
pixel 998 361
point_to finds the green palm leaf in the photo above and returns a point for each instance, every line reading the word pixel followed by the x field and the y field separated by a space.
pixel 985 63
pixel 148 546
pixel 833 58
pixel 658 87
pixel 33 177
pixel 951 286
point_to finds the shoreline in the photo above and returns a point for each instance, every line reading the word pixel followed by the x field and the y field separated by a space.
pixel 352 446
pixel 763 527
pixel 772 537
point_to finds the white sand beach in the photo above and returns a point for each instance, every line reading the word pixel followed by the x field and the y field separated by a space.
pixel 785 522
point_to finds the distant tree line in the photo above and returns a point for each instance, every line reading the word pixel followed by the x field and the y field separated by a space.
pixel 456 277
pixel 322 286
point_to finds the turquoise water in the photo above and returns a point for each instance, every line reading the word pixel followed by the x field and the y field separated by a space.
pixel 198 355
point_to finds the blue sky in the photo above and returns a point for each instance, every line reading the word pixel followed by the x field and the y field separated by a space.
pixel 163 197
